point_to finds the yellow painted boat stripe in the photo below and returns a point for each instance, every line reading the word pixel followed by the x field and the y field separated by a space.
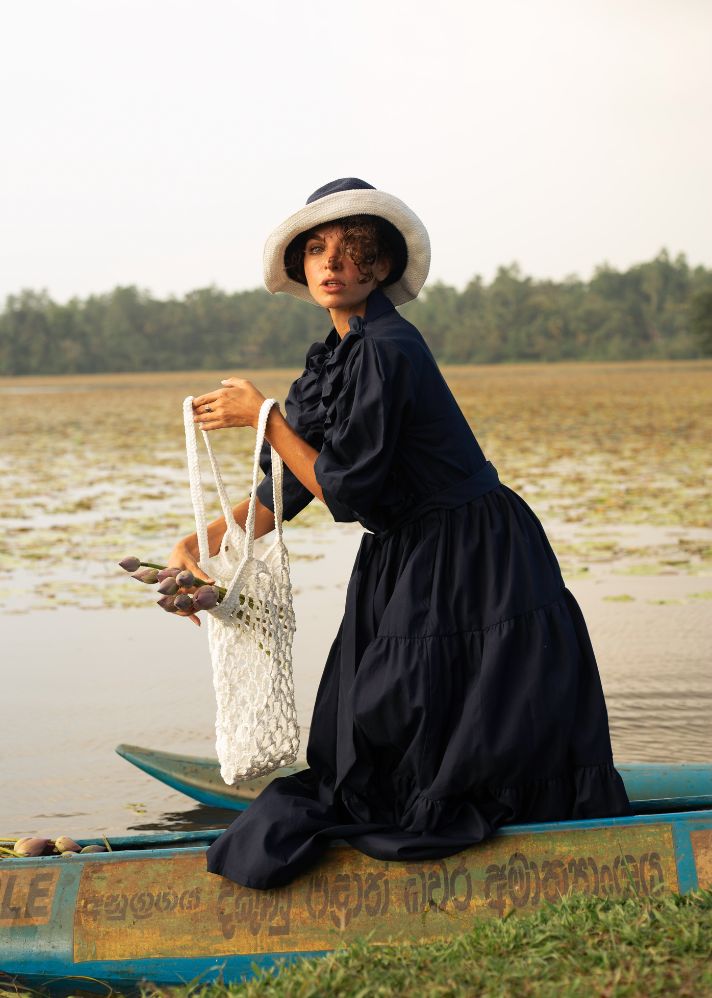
pixel 153 907
pixel 702 851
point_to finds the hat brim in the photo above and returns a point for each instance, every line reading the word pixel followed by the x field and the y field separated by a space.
pixel 340 205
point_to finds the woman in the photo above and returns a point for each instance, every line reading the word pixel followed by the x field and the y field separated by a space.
pixel 461 691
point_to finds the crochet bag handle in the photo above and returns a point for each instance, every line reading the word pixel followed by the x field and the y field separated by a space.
pixel 233 532
pixel 277 478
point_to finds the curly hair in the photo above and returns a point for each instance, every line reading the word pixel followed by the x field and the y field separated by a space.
pixel 364 238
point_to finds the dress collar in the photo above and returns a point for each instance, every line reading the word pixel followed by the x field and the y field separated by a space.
pixel 377 304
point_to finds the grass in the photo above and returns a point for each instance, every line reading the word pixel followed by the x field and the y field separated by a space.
pixel 578 948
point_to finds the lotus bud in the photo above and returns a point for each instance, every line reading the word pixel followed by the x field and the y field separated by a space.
pixel 185 579
pixel 184 602
pixel 168 587
pixel 94 848
pixel 206 598
pixel 147 575
pixel 168 573
pixel 130 564
pixel 167 603
pixel 65 844
pixel 33 847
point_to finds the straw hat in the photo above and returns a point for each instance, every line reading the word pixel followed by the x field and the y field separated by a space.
pixel 337 199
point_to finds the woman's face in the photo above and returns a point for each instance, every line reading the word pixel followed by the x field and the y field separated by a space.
pixel 333 279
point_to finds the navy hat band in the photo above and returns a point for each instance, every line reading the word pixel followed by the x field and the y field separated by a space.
pixel 337 186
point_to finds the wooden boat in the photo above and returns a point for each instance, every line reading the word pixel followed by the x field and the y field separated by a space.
pixel 652 787
pixel 149 912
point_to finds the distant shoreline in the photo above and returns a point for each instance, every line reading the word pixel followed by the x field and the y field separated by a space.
pixel 135 378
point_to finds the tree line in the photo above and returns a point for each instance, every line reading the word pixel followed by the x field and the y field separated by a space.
pixel 658 309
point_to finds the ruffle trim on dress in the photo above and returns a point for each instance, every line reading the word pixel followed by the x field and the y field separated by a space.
pixel 334 367
pixel 261 850
pixel 593 791
pixel 585 792
pixel 307 392
pixel 309 399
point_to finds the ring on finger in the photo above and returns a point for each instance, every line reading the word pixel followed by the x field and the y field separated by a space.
pixel 206 408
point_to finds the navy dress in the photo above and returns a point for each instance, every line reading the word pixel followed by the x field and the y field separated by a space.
pixel 461 691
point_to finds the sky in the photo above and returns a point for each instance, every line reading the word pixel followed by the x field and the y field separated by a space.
pixel 158 142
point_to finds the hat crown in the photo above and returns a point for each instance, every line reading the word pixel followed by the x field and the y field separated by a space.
pixel 344 198
pixel 337 186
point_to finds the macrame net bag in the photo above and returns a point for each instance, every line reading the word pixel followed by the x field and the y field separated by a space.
pixel 250 632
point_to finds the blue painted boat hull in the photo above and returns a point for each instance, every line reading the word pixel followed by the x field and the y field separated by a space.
pixel 653 788
pixel 150 912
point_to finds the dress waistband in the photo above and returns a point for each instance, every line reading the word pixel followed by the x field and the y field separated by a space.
pixel 483 480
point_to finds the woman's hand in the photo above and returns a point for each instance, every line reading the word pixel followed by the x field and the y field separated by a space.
pixel 238 404
pixel 185 555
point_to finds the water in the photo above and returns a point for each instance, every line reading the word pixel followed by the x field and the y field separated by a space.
pixel 77 683
pixel 93 469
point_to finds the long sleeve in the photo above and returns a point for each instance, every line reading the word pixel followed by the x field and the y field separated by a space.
pixel 295 496
pixel 364 417
pixel 302 412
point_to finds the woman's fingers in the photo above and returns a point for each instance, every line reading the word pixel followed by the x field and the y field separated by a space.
pixel 181 558
pixel 236 405
pixel 205 412
pixel 210 423
pixel 190 616
pixel 206 399
pixel 190 563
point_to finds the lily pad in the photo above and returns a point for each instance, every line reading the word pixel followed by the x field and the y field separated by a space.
pixel 588 446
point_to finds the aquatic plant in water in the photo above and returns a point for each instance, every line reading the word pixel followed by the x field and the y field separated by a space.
pixel 588 446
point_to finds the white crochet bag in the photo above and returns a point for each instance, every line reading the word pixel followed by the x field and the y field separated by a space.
pixel 250 632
